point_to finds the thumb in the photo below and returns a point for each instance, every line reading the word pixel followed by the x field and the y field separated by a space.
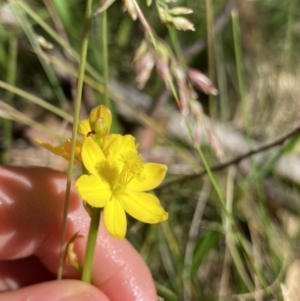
pixel 63 290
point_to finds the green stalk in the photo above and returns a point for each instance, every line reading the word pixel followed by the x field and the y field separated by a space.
pixel 11 78
pixel 213 181
pixel 289 32
pixel 179 55
pixel 273 159
pixel 211 176
pixel 176 45
pixel 34 99
pixel 211 54
pixel 145 24
pixel 240 69
pixel 90 247
pixel 37 18
pixel 241 84
pixel 221 79
pixel 28 30
pixel 105 57
pixel 83 54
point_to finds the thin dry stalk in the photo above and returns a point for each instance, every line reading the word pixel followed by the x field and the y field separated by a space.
pixel 257 256
pixel 223 291
pixel 193 233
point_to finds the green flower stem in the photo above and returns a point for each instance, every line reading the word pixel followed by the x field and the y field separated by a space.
pixel 176 45
pixel 105 57
pixel 211 176
pixel 213 181
pixel 211 55
pixel 83 54
pixel 178 51
pixel 90 247
pixel 11 79
pixel 240 71
pixel 145 24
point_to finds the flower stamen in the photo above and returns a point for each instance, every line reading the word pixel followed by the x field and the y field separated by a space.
pixel 132 167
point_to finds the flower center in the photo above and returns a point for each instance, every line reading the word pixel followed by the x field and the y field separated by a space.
pixel 132 167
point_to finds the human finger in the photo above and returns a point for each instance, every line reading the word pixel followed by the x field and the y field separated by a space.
pixel 31 202
pixel 63 290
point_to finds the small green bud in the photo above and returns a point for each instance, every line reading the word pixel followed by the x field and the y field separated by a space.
pixel 183 24
pixel 100 120
pixel 180 11
pixel 101 127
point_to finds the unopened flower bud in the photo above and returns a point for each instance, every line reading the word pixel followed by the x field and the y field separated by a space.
pixel 44 43
pixel 215 144
pixel 148 2
pixel 101 128
pixel 162 64
pixel 183 101
pixel 100 120
pixel 179 74
pixel 144 68
pixel 140 52
pixel 181 23
pixel 180 11
pixel 129 6
pixel 196 110
pixel 202 82
pixel 164 16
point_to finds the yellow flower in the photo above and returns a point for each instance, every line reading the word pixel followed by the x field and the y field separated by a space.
pixel 97 126
pixel 118 181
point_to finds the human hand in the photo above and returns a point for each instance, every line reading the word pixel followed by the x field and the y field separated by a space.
pixel 31 209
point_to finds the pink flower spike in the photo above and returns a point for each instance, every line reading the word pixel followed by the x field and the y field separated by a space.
pixel 202 82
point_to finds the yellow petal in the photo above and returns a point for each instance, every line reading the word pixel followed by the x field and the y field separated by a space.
pixel 115 218
pixel 116 145
pixel 144 207
pixel 92 155
pixel 93 190
pixel 152 175
pixel 78 147
pixel 107 141
pixel 57 150
pixel 84 127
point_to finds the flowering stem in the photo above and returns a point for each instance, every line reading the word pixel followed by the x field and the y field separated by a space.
pixel 145 24
pixel 211 55
pixel 11 79
pixel 90 247
pixel 211 176
pixel 176 45
pixel 105 56
pixel 83 54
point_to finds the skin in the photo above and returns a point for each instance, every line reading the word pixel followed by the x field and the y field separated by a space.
pixel 31 207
